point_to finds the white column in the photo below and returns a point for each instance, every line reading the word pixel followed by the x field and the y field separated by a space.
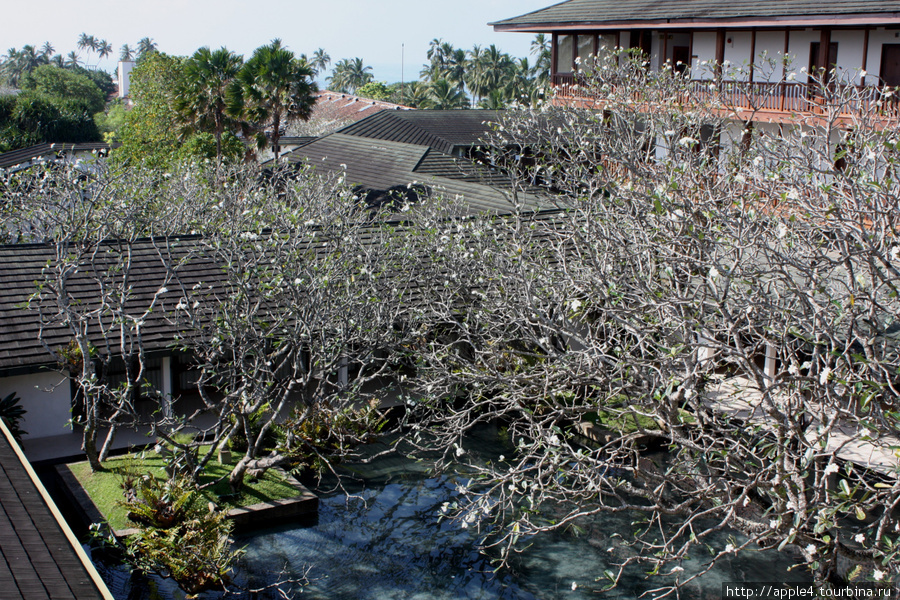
pixel 770 362
pixel 166 391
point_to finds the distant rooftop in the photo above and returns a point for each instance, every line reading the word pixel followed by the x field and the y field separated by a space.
pixel 596 13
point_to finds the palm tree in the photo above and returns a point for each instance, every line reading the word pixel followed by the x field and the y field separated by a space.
pixel 87 42
pixel 272 90
pixel 492 70
pixel 126 53
pixel 58 61
pixel 146 46
pixel 540 47
pixel 201 100
pixel 445 95
pixel 104 49
pixel 350 75
pixel 47 50
pixel 72 60
pixel 320 61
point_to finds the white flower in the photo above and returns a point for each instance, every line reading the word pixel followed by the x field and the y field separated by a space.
pixel 669 133
pixel 714 273
pixel 553 440
pixel 460 451
pixel 773 524
pixel 791 76
pixel 811 549
pixel 574 586
pixel 793 194
pixel 860 538
pixel 825 375
pixel 729 547
pixel 878 574
pixel 862 73
pixel 676 569
pixel 831 468
pixel 794 369
pixel 574 305
pixel 687 141
pixel 502 458
pixel 782 231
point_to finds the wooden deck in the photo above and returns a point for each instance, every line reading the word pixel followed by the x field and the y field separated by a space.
pixel 41 558
pixel 738 398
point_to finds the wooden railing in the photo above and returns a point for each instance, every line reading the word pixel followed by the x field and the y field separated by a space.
pixel 763 97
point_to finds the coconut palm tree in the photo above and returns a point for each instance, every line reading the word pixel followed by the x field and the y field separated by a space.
pixel 492 70
pixel 72 60
pixel 104 49
pixel 272 90
pixel 87 42
pixel 201 100
pixel 47 50
pixel 320 61
pixel 126 53
pixel 445 95
pixel 540 48
pixel 349 75
pixel 146 46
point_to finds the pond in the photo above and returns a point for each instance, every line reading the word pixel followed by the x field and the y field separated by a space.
pixel 386 541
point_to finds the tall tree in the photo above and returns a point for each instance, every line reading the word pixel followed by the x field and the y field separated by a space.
pixel 126 52
pixel 349 75
pixel 47 50
pixel 202 96
pixel 444 95
pixel 320 61
pixel 146 47
pixel 272 90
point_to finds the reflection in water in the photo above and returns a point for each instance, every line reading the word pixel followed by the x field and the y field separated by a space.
pixel 387 542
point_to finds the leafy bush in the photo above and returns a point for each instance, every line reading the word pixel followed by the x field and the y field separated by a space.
pixel 178 537
pixel 12 413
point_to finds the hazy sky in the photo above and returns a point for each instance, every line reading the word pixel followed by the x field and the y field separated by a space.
pixel 371 29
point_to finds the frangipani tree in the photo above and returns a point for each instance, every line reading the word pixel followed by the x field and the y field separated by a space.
pixel 727 292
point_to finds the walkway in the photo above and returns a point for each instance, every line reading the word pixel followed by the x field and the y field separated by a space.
pixel 739 398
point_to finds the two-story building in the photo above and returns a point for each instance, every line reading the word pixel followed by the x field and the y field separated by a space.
pixel 859 40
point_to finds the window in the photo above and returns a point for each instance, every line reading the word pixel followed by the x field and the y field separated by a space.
pixel 565 53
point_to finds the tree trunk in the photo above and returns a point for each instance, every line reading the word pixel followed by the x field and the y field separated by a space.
pixel 107 444
pixel 89 443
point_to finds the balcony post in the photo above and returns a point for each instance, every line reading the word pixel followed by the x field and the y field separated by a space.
pixel 720 53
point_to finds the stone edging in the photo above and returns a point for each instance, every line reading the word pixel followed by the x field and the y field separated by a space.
pixel 244 518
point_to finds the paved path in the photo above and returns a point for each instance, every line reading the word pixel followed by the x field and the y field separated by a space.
pixel 738 398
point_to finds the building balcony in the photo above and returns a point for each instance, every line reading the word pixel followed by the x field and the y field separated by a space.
pixel 779 102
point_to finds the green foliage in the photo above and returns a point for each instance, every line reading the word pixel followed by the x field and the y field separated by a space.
pixel 201 100
pixel 66 89
pixel 34 118
pixel 203 146
pixel 110 122
pixel 178 537
pixel 272 90
pixel 12 413
pixel 376 90
pixel 150 134
pixel 316 433
pixel 349 75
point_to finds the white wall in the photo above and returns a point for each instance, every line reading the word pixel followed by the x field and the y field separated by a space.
pixel 878 37
pixel 47 397
pixel 737 54
pixel 124 77
pixel 704 48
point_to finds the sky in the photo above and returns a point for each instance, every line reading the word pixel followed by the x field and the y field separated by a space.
pixel 379 32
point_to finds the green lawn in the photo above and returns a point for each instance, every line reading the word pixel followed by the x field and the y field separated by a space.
pixel 105 487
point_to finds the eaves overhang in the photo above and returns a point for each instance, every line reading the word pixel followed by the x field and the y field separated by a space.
pixel 834 21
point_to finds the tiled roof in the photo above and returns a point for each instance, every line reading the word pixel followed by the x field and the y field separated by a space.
pixel 39 559
pixel 378 165
pixel 629 11
pixel 443 130
pixel 335 106
pixel 24 155
pixel 22 349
